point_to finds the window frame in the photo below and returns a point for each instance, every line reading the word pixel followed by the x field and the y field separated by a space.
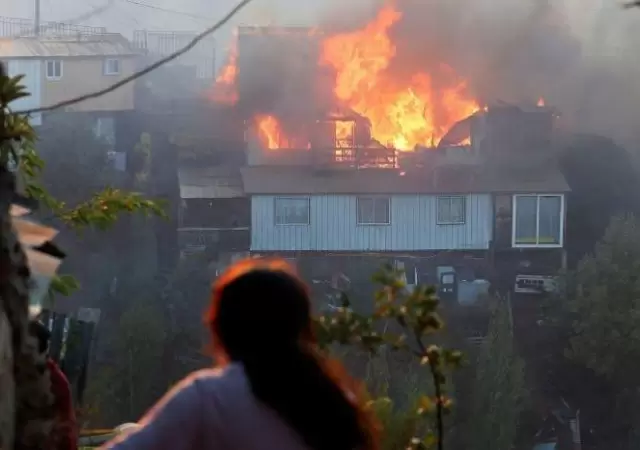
pixel 514 212
pixel 299 224
pixel 53 62
pixel 439 220
pixel 105 68
pixel 359 198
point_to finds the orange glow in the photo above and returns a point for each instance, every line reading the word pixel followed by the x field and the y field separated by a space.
pixel 224 89
pixel 403 114
pixel 541 102
pixel 270 132
pixel 344 134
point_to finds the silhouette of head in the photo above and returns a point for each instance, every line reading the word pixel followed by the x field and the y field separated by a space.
pixel 260 303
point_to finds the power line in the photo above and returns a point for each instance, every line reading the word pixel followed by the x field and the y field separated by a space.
pixel 166 10
pixel 147 69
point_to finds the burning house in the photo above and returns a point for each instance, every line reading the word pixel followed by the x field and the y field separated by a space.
pixel 346 163
pixel 473 211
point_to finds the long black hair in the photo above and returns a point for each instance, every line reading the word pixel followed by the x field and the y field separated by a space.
pixel 260 315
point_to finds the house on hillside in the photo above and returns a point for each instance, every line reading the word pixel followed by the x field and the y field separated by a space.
pixel 214 213
pixel 58 68
pixel 187 77
pixel 492 210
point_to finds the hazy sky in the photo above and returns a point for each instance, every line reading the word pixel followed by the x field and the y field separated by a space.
pixel 128 15
pixel 598 23
pixel 590 66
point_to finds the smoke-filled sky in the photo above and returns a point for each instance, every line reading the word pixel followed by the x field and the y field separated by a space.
pixel 580 55
pixel 577 54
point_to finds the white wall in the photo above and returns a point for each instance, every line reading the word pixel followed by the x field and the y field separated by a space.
pixel 333 226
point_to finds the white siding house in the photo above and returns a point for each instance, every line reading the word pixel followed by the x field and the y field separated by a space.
pixel 370 222
pixel 297 209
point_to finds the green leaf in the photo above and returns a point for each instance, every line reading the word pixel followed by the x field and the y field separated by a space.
pixel 64 285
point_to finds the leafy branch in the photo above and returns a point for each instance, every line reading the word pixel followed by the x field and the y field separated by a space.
pixel 17 150
pixel 415 314
pixel 101 210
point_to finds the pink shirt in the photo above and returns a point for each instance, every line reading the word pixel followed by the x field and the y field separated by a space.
pixel 211 409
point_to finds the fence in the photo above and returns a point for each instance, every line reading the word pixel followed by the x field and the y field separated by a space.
pixel 157 44
pixel 70 347
pixel 17 27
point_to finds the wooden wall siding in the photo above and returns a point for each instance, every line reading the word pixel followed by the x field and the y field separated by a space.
pixel 333 226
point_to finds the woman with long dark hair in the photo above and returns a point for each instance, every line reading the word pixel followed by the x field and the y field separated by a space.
pixel 273 388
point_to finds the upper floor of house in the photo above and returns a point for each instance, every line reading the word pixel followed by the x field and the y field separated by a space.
pixel 58 68
pixel 184 79
pixel 389 210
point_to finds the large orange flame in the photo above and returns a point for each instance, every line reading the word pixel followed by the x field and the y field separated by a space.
pixel 270 132
pixel 402 114
pixel 224 89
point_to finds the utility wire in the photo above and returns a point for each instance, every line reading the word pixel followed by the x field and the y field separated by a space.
pixel 166 10
pixel 147 69
pixel 74 21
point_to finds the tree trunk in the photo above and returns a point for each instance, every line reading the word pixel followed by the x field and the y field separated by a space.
pixel 33 398
pixel 7 386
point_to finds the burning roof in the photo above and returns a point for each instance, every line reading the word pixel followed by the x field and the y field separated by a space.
pixel 404 110
pixel 283 78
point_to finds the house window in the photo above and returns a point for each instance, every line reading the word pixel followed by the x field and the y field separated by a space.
pixel 292 210
pixel 54 69
pixel 374 210
pixel 538 220
pixel 112 66
pixel 451 210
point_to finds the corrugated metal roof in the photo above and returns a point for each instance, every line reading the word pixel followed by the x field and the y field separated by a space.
pixel 212 182
pixel 299 180
pixel 66 47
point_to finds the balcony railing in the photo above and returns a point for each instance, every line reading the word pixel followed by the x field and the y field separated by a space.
pixel 358 158
pixel 17 27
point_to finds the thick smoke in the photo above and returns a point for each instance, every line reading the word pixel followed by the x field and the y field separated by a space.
pixel 576 54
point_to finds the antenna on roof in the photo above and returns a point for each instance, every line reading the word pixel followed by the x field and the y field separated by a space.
pixel 36 21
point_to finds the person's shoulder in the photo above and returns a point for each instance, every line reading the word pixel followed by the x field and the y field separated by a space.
pixel 219 378
pixel 212 375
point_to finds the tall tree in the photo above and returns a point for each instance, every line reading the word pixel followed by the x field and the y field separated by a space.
pixel 604 301
pixel 499 388
pixel 135 378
